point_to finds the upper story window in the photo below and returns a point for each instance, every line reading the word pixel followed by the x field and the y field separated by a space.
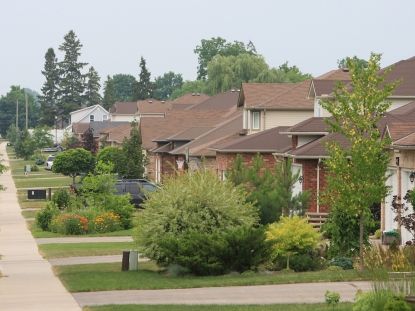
pixel 91 118
pixel 256 120
pixel 105 117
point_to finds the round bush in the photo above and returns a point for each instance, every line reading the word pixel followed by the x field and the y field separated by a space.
pixel 45 216
pixel 191 212
pixel 345 263
pixel 61 198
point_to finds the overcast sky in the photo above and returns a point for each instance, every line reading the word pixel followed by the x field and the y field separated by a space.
pixel 310 34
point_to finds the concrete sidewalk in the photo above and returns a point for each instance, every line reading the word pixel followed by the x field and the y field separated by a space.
pixel 28 282
pixel 262 294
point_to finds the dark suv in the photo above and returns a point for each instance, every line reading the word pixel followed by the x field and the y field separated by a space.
pixel 137 188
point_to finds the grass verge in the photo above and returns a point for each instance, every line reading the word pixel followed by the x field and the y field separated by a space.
pixel 29 214
pixel 84 249
pixel 282 307
pixel 98 277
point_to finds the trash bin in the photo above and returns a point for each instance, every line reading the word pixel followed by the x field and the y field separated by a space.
pixel 129 260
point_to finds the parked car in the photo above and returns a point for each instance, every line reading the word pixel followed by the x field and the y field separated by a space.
pixel 137 188
pixel 49 162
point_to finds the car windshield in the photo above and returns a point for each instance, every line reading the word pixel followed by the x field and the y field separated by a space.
pixel 149 187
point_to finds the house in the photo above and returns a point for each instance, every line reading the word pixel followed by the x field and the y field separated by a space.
pixel 87 115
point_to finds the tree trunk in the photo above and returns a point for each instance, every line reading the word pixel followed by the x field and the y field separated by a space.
pixel 73 180
pixel 361 242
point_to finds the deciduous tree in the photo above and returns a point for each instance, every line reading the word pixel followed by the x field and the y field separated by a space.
pixel 165 85
pixel 357 173
pixel 73 162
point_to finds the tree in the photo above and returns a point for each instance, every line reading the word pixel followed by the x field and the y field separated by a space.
pixel 42 137
pixel 114 156
pixel 88 141
pixel 145 86
pixel 165 85
pixel 357 173
pixel 209 48
pixel 73 162
pixel 133 152
pixel 3 168
pixel 48 108
pixel 270 191
pixel 198 86
pixel 124 87
pixel 92 95
pixel 283 73
pixel 342 63
pixel 8 109
pixel 12 134
pixel 109 93
pixel 25 146
pixel 72 81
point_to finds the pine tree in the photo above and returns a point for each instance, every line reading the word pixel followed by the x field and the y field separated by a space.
pixel 144 86
pixel 92 96
pixel 50 89
pixel 133 153
pixel 72 81
pixel 109 93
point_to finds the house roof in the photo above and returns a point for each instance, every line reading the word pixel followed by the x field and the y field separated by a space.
pixel 326 87
pixel 314 125
pixel 277 96
pixel 129 108
pixel 97 126
pixel 266 141
pixel 90 108
pixel 153 106
pixel 191 99
pixel 404 71
pixel 340 74
pixel 189 134
pixel 224 101
pixel 224 131
pixel 404 110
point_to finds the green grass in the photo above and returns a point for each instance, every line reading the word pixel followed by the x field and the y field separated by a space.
pixel 97 277
pixel 29 214
pixel 84 249
pixel 43 182
pixel 31 204
pixel 282 307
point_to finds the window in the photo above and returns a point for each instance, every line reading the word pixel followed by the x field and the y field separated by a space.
pixel 105 117
pixel 255 120
pixel 91 118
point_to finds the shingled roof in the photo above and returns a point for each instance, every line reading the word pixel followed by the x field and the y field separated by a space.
pixel 314 125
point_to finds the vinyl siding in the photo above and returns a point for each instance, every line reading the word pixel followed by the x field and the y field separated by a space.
pixel 285 118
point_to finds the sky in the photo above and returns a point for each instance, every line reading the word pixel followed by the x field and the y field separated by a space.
pixel 312 35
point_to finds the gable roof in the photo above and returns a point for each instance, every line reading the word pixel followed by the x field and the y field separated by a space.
pixel 129 108
pixel 314 125
pixel 335 74
pixel 266 141
pixel 97 126
pixel 277 96
pixel 224 100
pixel 191 99
pixel 89 109
pixel 404 71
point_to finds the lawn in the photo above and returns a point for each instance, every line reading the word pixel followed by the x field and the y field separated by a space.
pixel 282 307
pixel 53 181
pixel 29 214
pixel 97 277
pixel 84 249
pixel 39 233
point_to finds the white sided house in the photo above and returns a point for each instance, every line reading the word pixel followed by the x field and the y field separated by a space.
pixel 87 115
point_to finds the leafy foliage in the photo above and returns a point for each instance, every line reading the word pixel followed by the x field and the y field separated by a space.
pixel 292 235
pixel 405 212
pixel 357 173
pixel 165 85
pixel 198 86
pixel 61 199
pixel 345 263
pixel 192 210
pixel 24 146
pixel 109 93
pixel 270 191
pixel 133 152
pixel 114 156
pixel 88 141
pixel 45 215
pixel 42 137
pixel 73 162
pixel 383 300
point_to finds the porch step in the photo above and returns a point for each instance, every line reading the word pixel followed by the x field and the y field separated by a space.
pixel 316 219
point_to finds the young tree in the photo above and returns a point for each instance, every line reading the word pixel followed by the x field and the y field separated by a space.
pixel 48 99
pixel 114 156
pixel 12 134
pixel 133 153
pixel 25 146
pixel 271 191
pixel 165 85
pixel 109 93
pixel 42 137
pixel 88 141
pixel 92 95
pixel 73 162
pixel 357 174
pixel 144 86
pixel 72 80
pixel 3 168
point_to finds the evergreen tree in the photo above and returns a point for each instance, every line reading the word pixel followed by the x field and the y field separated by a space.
pixel 92 96
pixel 72 81
pixel 109 93
pixel 49 89
pixel 133 153
pixel 144 86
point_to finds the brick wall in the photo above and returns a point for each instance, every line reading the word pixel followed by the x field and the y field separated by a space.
pixel 224 161
pixel 310 182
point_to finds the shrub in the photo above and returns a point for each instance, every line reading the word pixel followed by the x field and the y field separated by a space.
pixel 345 263
pixel 190 217
pixel 120 205
pixel 35 168
pixel 378 234
pixel 379 258
pixel 380 301
pixel 305 262
pixel 67 223
pixel 292 235
pixel 45 216
pixel 107 222
pixel 61 198
pixel 332 298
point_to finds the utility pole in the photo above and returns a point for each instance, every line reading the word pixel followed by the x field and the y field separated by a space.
pixel 17 114
pixel 27 112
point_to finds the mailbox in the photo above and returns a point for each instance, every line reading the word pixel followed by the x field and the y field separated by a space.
pixel 36 194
